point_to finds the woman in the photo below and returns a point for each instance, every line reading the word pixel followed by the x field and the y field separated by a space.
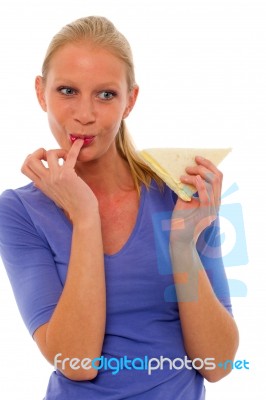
pixel 85 252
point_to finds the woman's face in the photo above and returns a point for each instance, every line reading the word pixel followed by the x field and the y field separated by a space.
pixel 86 95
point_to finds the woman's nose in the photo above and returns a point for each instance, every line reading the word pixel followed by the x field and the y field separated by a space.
pixel 85 112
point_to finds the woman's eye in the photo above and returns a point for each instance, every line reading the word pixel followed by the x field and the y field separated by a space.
pixel 105 95
pixel 67 91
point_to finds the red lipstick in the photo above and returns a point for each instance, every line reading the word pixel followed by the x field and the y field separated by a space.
pixel 87 139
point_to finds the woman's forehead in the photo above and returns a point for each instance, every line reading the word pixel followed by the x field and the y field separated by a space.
pixel 86 59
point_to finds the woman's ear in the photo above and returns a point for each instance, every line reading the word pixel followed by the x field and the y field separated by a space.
pixel 132 100
pixel 39 88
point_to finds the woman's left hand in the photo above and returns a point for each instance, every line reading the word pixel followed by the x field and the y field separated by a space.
pixel 189 219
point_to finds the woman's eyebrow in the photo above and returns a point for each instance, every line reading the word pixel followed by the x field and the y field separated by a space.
pixel 67 81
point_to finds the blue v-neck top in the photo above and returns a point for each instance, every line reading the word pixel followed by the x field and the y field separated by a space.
pixel 142 320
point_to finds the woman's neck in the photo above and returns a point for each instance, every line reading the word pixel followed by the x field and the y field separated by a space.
pixel 106 177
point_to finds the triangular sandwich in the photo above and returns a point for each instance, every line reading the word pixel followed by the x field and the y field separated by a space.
pixel 170 164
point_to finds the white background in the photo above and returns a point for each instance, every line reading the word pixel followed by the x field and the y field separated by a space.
pixel 201 69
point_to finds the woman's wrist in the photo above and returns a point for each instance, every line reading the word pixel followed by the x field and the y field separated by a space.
pixel 84 215
pixel 184 256
pixel 179 242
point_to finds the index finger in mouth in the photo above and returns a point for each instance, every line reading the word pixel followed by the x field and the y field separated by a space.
pixel 73 153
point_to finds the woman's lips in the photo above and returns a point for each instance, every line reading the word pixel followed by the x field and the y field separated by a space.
pixel 87 139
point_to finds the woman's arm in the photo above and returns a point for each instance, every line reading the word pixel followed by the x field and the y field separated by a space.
pixel 209 330
pixel 76 328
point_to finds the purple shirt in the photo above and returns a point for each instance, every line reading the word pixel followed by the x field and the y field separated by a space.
pixel 142 311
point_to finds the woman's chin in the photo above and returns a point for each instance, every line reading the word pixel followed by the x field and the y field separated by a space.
pixel 86 156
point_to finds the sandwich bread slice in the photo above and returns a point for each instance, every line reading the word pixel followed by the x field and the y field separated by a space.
pixel 170 163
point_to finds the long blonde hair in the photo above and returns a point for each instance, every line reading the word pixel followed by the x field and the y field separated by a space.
pixel 103 33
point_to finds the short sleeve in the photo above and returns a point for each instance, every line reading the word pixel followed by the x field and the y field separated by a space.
pixel 29 263
pixel 209 249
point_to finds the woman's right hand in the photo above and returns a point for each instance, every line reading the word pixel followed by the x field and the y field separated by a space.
pixel 60 182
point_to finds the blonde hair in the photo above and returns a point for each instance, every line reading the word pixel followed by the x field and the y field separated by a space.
pixel 102 32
